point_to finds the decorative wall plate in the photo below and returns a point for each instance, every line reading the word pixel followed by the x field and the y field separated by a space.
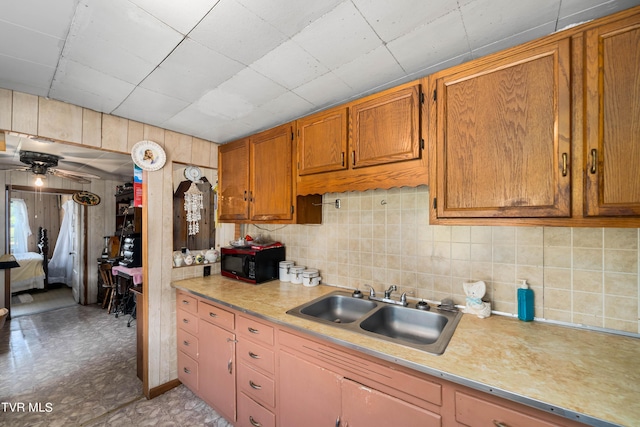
pixel 192 173
pixel 86 198
pixel 148 155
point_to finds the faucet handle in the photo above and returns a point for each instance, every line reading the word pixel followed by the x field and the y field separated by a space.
pixel 372 292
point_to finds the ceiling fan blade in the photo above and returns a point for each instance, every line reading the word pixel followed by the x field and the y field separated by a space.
pixel 69 175
pixel 12 167
pixel 77 173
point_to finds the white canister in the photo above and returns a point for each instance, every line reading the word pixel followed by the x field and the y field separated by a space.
pixel 296 273
pixel 285 274
pixel 311 277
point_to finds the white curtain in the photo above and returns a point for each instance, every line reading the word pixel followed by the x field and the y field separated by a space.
pixel 20 229
pixel 61 263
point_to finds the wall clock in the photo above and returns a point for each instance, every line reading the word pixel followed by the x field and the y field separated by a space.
pixel 193 173
pixel 148 155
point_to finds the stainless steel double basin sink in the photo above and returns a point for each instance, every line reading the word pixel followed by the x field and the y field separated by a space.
pixel 429 331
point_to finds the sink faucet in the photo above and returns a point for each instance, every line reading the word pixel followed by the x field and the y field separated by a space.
pixel 387 293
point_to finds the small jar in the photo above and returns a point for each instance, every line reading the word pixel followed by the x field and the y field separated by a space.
pixel 285 273
pixel 296 274
pixel 310 277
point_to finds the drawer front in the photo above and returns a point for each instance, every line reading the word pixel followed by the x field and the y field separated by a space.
pixel 255 330
pixel 251 414
pixel 188 371
pixel 472 411
pixel 187 322
pixel 187 343
pixel 216 315
pixel 186 302
pixel 256 355
pixel 258 386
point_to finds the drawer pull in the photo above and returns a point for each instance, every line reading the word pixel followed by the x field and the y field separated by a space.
pixel 253 355
pixel 499 424
pixel 186 370
pixel 254 385
pixel 186 343
pixel 254 422
pixel 185 302
pixel 212 314
pixel 185 320
pixel 253 331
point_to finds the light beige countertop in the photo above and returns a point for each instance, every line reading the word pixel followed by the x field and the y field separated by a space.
pixel 571 371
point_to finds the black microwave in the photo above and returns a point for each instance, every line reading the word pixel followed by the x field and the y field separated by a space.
pixel 252 264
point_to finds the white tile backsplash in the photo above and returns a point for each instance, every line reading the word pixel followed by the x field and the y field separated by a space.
pixel 382 237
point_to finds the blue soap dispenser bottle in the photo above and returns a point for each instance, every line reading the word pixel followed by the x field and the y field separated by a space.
pixel 525 302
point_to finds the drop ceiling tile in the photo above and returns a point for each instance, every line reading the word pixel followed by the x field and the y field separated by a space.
pixel 338 37
pixel 149 107
pixel 289 65
pixel 323 91
pixel 33 46
pixel 253 87
pixel 435 42
pixel 286 107
pixel 130 41
pixel 515 39
pixel 192 121
pixel 190 71
pixel 578 11
pixel 25 76
pixel 487 21
pixel 290 16
pixel 225 104
pixel 392 19
pixel 236 32
pixel 180 16
pixel 48 17
pixel 370 70
pixel 80 85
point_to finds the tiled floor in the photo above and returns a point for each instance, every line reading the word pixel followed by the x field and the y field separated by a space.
pixel 76 366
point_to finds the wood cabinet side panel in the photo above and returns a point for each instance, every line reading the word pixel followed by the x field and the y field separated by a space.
pixel 24 118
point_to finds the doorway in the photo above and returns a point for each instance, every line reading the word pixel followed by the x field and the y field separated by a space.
pixel 60 279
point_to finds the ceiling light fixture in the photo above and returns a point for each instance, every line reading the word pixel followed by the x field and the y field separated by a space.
pixel 39 182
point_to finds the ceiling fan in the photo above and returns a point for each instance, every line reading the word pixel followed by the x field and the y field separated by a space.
pixel 44 164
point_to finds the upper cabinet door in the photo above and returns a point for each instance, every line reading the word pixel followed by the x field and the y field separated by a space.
pixel 503 137
pixel 322 142
pixel 386 128
pixel 612 115
pixel 233 178
pixel 271 155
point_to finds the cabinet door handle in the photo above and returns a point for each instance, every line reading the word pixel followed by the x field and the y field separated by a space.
pixel 254 385
pixel 594 161
pixel 186 343
pixel 499 424
pixel 230 366
pixel 253 330
pixel 185 320
pixel 338 422
pixel 564 164
pixel 186 371
pixel 353 157
pixel 212 314
pixel 245 195
pixel 342 158
pixel 253 355
pixel 254 422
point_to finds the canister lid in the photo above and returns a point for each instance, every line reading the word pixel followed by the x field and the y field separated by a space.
pixel 286 263
pixel 310 272
pixel 297 268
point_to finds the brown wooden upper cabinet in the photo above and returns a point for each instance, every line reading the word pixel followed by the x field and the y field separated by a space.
pixel 256 181
pixel 612 115
pixel 374 142
pixel 501 136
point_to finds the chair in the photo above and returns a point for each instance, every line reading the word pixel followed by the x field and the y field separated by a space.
pixel 109 285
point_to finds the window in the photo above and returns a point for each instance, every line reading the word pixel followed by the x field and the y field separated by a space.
pixel 20 229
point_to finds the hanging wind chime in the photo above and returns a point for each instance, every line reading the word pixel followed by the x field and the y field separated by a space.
pixel 193 205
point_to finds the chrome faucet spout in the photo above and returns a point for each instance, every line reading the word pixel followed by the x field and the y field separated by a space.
pixel 387 293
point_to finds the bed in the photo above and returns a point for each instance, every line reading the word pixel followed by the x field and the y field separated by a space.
pixel 33 270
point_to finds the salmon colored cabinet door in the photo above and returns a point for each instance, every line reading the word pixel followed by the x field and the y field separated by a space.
pixel 365 407
pixel 612 117
pixel 309 394
pixel 217 369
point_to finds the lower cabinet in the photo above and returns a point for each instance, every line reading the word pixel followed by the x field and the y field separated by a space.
pixel 259 374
